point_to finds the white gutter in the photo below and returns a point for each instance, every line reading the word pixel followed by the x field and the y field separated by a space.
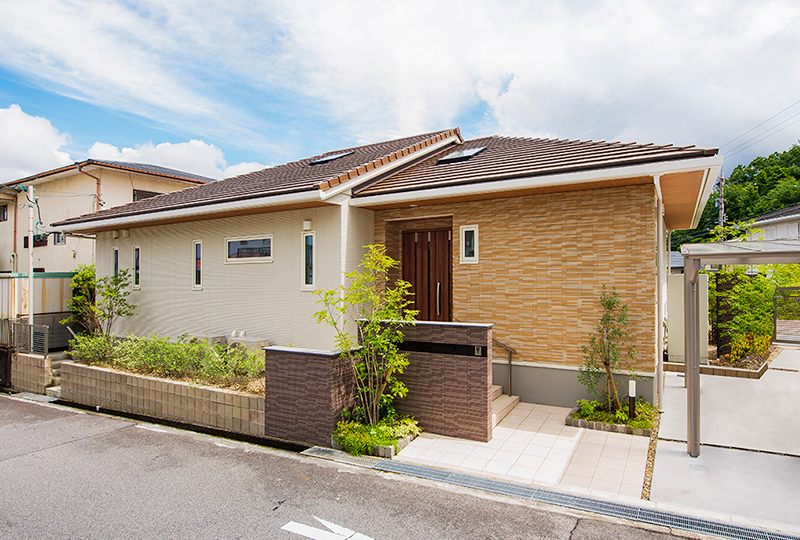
pixel 260 202
pixel 776 220
pixel 374 173
pixel 528 182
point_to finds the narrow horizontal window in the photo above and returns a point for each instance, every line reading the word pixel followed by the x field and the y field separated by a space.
pixel 332 157
pixel 461 155
pixel 249 249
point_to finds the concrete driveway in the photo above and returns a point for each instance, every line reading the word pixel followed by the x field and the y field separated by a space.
pixel 749 463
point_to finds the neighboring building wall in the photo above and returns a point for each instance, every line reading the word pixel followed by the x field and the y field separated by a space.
pixel 542 262
pixel 784 230
pixel 68 197
pixel 262 298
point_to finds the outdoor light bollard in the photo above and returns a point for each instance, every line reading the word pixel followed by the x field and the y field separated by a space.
pixel 631 399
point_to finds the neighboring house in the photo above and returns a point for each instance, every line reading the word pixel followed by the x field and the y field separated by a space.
pixel 780 224
pixel 517 232
pixel 60 194
pixel 675 262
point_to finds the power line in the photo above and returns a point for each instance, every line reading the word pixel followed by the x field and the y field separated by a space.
pixel 765 136
pixel 761 124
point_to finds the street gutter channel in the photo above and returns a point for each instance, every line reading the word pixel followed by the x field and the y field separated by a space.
pixel 576 502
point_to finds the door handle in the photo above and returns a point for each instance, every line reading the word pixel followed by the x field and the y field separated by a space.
pixel 438 295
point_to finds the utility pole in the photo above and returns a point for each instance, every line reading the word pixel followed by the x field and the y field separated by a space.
pixel 721 204
pixel 31 307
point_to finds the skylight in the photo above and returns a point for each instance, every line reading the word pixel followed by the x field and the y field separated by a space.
pixel 326 159
pixel 461 155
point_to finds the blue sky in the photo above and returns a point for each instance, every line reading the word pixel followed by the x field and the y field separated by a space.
pixel 220 88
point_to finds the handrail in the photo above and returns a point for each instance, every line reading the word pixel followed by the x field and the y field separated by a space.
pixel 510 352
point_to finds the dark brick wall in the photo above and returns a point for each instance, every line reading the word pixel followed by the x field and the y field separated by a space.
pixel 305 393
pixel 449 394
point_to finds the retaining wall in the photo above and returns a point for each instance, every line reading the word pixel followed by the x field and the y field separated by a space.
pixel 31 372
pixel 160 398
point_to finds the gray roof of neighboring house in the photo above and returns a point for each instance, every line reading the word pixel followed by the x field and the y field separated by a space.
pixel 121 165
pixel 675 259
pixel 787 212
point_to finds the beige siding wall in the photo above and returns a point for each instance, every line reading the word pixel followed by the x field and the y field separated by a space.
pixel 68 197
pixel 263 299
pixel 542 262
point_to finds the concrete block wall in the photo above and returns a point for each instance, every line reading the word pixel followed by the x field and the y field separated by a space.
pixel 450 394
pixel 31 372
pixel 160 398
pixel 541 262
pixel 306 391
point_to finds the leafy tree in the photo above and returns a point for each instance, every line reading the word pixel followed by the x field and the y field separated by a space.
pixel 605 349
pixel 97 303
pixel 379 315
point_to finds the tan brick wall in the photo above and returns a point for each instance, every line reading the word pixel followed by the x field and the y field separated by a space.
pixel 31 372
pixel 160 398
pixel 542 261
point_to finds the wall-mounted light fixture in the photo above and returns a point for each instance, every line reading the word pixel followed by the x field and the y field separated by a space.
pixel 307 225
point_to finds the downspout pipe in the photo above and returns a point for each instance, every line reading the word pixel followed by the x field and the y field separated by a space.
pixel 97 203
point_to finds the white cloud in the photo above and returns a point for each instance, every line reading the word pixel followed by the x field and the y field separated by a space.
pixel 194 156
pixel 28 145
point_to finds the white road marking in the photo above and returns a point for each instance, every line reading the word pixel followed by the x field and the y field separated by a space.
pixel 339 533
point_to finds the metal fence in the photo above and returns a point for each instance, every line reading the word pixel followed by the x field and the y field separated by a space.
pixel 30 338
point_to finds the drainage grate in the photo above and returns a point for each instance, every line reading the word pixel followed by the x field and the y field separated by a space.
pixel 343 457
pixel 579 502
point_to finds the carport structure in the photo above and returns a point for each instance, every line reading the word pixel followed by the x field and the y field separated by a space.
pixel 722 253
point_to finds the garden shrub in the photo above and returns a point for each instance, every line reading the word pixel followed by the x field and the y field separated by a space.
pixel 187 359
pixel 359 439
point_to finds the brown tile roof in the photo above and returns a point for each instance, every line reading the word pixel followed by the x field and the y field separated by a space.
pixel 288 178
pixel 511 157
pixel 121 165
pixel 786 212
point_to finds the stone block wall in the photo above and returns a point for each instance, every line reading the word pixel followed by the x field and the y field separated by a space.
pixel 450 394
pixel 160 398
pixel 31 372
pixel 542 260
pixel 306 391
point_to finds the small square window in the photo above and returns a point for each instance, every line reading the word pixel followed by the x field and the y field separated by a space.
pixel 59 239
pixel 248 249
pixel 469 244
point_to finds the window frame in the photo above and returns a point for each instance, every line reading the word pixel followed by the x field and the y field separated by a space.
pixel 195 285
pixel 115 260
pixel 136 266
pixel 248 260
pixel 304 262
pixel 4 212
pixel 462 244
pixel 59 239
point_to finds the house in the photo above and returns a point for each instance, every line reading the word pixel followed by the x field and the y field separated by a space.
pixel 518 232
pixel 782 224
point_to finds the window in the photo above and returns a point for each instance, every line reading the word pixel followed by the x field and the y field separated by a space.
pixel 770 233
pixel 198 265
pixel 308 260
pixel 791 231
pixel 39 240
pixel 140 194
pixel 249 249
pixel 4 212
pixel 461 155
pixel 137 253
pixel 326 159
pixel 469 244
pixel 116 261
pixel 59 239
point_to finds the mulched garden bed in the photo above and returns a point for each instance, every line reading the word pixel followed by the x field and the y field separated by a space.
pixel 751 361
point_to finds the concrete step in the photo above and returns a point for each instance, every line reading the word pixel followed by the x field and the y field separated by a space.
pixel 497 391
pixel 54 381
pixel 53 392
pixel 501 407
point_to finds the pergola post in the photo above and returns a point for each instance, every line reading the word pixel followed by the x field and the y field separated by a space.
pixel 691 268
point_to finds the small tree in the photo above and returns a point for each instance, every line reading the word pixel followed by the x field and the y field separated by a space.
pixel 378 314
pixel 604 352
pixel 97 303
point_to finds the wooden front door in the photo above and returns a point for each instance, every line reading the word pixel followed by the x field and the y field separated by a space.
pixel 427 257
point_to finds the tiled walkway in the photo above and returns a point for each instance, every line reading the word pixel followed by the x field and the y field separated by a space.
pixel 533 446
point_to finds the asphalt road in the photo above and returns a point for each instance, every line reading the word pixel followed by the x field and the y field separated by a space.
pixel 66 473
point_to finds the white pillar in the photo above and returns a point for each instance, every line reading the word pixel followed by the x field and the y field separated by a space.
pixel 691 267
pixel 31 304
